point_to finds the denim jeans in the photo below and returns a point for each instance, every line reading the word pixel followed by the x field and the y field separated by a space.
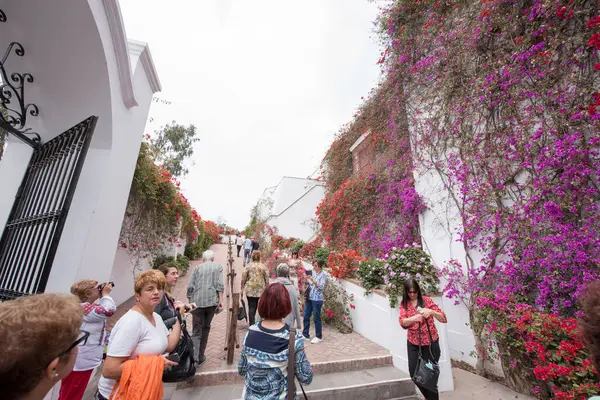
pixel 313 307
pixel 247 253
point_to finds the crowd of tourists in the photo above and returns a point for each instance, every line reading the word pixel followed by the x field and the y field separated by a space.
pixel 66 337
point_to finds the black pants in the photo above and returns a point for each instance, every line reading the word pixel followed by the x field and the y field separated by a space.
pixel 413 356
pixel 252 306
pixel 201 320
pixel 239 248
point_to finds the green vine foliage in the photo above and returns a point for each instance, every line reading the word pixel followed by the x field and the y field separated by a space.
pixel 157 214
pixel 297 247
pixel 336 306
pixel 409 262
pixel 371 272
pixel 181 262
pixel 322 254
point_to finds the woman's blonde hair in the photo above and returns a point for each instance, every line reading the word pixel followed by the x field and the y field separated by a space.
pixel 35 330
pixel 256 256
pixel 148 277
pixel 82 287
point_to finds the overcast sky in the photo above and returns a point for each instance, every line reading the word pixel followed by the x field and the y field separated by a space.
pixel 266 83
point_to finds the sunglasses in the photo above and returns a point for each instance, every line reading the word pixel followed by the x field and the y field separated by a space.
pixel 412 292
pixel 81 341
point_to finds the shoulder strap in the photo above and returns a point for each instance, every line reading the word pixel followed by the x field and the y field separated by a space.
pixel 291 370
pixel 430 337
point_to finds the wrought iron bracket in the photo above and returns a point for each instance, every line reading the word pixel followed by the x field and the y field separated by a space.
pixel 13 109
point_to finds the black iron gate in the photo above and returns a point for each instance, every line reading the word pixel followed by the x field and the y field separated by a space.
pixel 32 233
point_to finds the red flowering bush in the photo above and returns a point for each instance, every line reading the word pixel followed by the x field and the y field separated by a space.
pixel 341 213
pixel 297 267
pixel 337 304
pixel 289 242
pixel 541 349
pixel 344 264
pixel 309 249
pixel 276 258
pixel 158 213
pixel 276 241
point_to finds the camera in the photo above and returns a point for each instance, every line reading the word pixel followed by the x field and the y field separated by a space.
pixel 101 286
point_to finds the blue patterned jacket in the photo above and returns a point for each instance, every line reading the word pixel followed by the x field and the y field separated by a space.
pixel 263 362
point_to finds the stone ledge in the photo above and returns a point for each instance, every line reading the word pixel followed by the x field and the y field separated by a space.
pixel 231 376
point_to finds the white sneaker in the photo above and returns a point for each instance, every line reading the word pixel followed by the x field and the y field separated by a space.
pixel 316 340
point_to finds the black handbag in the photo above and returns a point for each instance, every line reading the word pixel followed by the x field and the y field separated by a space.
pixel 187 366
pixel 291 368
pixel 242 312
pixel 427 372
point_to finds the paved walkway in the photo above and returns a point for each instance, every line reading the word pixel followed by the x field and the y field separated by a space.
pixel 335 346
pixel 472 386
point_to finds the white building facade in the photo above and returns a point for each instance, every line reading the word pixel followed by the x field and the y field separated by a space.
pixel 64 191
pixel 291 206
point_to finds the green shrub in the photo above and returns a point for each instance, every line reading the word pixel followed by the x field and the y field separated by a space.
pixel 162 259
pixel 181 262
pixel 297 247
pixel 322 254
pixel 409 262
pixel 193 251
pixel 371 272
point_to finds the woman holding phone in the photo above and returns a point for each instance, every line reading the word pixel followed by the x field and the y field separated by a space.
pixel 314 302
pixel 417 313
pixel 140 332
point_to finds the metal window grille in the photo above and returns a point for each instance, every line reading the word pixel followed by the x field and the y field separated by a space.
pixel 33 231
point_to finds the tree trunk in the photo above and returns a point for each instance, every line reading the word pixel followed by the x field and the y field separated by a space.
pixel 479 344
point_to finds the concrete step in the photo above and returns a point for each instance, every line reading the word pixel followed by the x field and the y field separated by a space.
pixel 231 376
pixel 382 383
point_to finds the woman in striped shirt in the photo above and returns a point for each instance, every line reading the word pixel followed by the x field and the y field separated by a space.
pixel 264 358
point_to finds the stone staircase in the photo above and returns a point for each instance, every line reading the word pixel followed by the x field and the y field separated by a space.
pixel 372 378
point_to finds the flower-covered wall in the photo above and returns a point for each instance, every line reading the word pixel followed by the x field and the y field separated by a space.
pixel 491 110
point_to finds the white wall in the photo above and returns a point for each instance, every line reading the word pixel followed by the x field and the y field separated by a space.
pixel 287 191
pixel 87 248
pixel 77 76
pixel 122 275
pixel 375 320
pixel 440 226
pixel 296 221
pixel 12 169
pixel 294 204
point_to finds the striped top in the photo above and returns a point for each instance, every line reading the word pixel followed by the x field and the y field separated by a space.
pixel 205 285
pixel 263 362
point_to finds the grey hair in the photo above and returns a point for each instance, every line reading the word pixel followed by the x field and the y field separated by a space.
pixel 208 255
pixel 283 270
